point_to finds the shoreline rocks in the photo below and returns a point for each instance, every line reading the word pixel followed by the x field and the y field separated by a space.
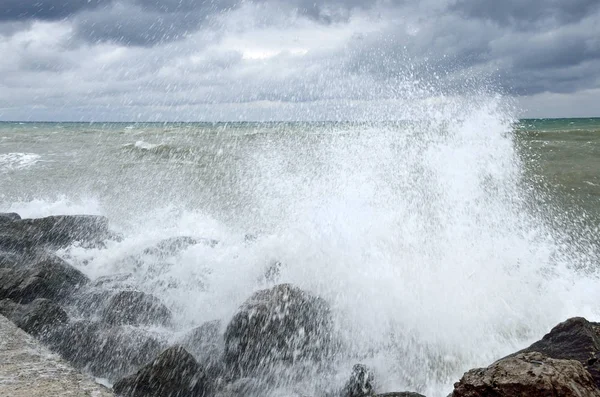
pixel 278 336
pixel 528 374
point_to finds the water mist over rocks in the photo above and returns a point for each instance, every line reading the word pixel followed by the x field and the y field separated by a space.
pixel 420 248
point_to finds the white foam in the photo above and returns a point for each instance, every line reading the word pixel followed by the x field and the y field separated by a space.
pixel 18 161
pixel 421 238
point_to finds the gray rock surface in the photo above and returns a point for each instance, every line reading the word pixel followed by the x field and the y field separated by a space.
pixel 278 326
pixel 573 339
pixel 175 373
pixel 28 369
pixel 50 278
pixel 528 374
pixel 35 318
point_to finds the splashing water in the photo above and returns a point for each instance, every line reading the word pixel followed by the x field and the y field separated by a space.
pixel 423 236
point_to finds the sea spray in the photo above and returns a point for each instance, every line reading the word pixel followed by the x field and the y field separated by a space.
pixel 421 234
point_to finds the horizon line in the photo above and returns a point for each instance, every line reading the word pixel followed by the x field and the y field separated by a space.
pixel 251 121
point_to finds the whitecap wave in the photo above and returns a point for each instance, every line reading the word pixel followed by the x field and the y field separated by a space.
pixel 18 161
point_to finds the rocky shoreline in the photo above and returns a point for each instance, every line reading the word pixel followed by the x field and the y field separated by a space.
pixel 279 335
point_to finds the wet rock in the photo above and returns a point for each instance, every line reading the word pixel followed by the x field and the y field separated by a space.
pixel 528 374
pixel 174 245
pixel 36 317
pixel 574 339
pixel 51 278
pixel 106 352
pixel 242 387
pixel 135 308
pixel 9 217
pixel 360 383
pixel 174 373
pixel 55 231
pixel 205 343
pixel 113 281
pixel 10 259
pixel 281 325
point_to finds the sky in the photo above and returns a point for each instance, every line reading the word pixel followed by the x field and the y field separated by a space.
pixel 194 60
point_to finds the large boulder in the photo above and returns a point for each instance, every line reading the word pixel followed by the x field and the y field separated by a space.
pixel 175 373
pixel 105 352
pixel 205 343
pixel 135 308
pixel 6 217
pixel 574 339
pixel 278 326
pixel 51 278
pixel 528 374
pixel 35 318
pixel 55 231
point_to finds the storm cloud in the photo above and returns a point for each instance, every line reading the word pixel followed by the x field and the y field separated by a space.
pixel 198 59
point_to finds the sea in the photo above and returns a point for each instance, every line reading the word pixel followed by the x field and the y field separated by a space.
pixel 440 243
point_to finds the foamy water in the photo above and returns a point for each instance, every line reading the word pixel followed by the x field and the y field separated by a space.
pixel 17 161
pixel 423 237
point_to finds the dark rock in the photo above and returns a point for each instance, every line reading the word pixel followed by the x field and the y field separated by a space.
pixel 174 373
pixel 112 281
pixel 135 308
pixel 52 278
pixel 55 231
pixel 205 343
pixel 9 217
pixel 106 352
pixel 281 325
pixel 36 317
pixel 243 387
pixel 574 339
pixel 528 374
pixel 360 383
pixel 10 259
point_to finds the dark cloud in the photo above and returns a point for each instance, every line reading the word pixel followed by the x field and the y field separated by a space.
pixel 527 13
pixel 199 52
pixel 130 24
pixel 11 10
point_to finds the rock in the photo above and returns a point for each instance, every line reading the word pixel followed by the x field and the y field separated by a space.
pixel 400 394
pixel 51 278
pixel 174 245
pixel 243 387
pixel 55 231
pixel 174 373
pixel 10 260
pixel 9 217
pixel 528 374
pixel 204 341
pixel 360 383
pixel 574 339
pixel 135 308
pixel 36 317
pixel 105 352
pixel 276 326
pixel 113 281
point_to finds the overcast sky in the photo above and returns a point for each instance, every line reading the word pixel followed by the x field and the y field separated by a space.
pixel 287 59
